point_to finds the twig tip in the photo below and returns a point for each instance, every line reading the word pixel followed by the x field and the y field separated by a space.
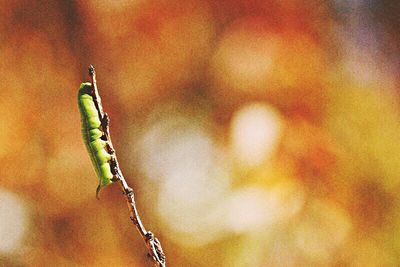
pixel 91 70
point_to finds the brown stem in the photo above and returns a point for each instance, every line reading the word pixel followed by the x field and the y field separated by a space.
pixel 152 243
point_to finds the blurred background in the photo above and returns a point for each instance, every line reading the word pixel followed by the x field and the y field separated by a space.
pixel 254 133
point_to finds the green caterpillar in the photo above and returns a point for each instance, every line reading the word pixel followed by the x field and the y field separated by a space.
pixel 94 136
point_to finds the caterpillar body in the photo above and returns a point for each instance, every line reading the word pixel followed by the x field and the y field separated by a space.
pixel 94 136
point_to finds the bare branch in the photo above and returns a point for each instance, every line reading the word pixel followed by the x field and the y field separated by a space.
pixel 153 244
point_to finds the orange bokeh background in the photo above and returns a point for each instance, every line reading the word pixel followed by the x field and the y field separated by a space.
pixel 254 133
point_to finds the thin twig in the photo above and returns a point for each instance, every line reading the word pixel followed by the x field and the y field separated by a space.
pixel 152 243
